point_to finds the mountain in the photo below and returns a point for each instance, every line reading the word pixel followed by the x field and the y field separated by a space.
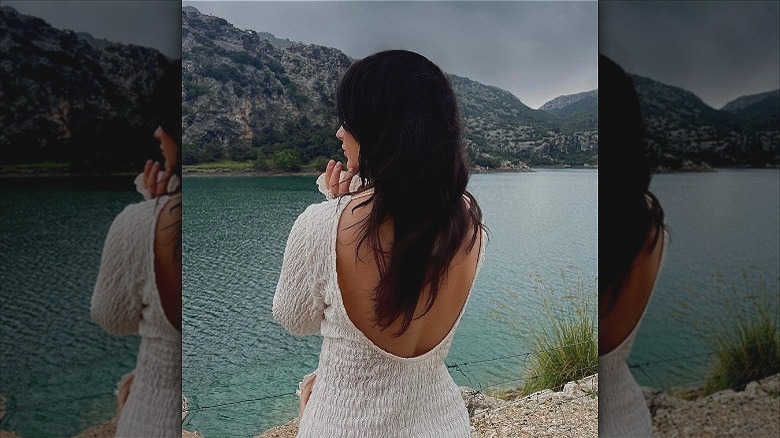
pixel 245 98
pixel 680 127
pixel 757 112
pixel 572 102
pixel 98 43
pixel 744 102
pixel 249 95
pixel 72 98
pixel 577 112
pixel 500 130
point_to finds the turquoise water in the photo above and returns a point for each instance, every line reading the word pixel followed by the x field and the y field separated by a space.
pixel 235 229
pixel 58 368
pixel 723 224
pixel 62 367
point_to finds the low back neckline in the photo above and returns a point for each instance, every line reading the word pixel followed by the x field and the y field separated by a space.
pixel 629 339
pixel 340 301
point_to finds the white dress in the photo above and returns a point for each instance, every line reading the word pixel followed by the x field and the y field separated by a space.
pixel 361 390
pixel 126 301
pixel 623 411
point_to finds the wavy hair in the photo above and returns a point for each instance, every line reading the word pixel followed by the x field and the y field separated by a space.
pixel 629 213
pixel 166 99
pixel 402 111
pixel 167 107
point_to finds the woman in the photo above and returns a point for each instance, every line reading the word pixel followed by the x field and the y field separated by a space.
pixel 384 273
pixel 632 240
pixel 138 289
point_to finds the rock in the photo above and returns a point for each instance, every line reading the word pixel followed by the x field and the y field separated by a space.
pixel 477 401
pixel 571 412
pixel 753 389
pixel 754 412
pixel 185 408
pixel 287 430
pixel 573 415
pixel 104 430
pixel 5 433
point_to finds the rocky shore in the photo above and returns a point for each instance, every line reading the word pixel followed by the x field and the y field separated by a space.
pixel 572 412
pixel 753 412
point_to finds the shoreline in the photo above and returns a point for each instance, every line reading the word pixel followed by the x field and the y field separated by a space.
pixel 573 411
pixel 752 411
pixel 59 173
pixel 66 172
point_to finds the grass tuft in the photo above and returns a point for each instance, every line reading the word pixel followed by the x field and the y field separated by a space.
pixel 747 346
pixel 565 343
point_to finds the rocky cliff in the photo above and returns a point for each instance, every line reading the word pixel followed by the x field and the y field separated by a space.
pixel 249 95
pixel 69 97
pixel 680 127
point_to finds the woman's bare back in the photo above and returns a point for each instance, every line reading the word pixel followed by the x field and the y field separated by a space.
pixel 358 276
pixel 167 263
pixel 635 291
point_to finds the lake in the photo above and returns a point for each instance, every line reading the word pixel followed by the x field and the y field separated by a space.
pixel 240 367
pixel 725 245
pixel 58 368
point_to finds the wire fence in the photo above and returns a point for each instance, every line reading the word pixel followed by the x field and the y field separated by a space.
pixel 487 411
pixel 495 407
pixel 501 408
pixel 681 403
pixel 505 409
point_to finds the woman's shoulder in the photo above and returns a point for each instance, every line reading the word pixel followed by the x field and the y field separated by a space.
pixel 316 225
pixel 137 213
pixel 167 206
pixel 322 212
pixel 141 215
pixel 143 207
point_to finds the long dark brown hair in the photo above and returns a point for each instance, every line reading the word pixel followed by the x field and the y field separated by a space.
pixel 628 212
pixel 167 106
pixel 167 101
pixel 401 109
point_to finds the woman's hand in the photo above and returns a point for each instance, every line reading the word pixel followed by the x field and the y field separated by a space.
pixel 156 184
pixel 336 185
pixel 305 394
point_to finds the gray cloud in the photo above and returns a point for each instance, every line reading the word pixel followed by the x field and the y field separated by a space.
pixel 718 50
pixel 154 24
pixel 536 50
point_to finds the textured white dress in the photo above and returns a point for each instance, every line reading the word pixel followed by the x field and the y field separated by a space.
pixel 623 411
pixel 126 301
pixel 361 390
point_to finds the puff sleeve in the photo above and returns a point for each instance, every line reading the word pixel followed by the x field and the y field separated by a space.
pixel 299 303
pixel 116 299
pixel 322 185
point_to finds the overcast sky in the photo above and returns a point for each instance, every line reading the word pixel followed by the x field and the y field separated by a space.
pixel 145 23
pixel 536 50
pixel 718 50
